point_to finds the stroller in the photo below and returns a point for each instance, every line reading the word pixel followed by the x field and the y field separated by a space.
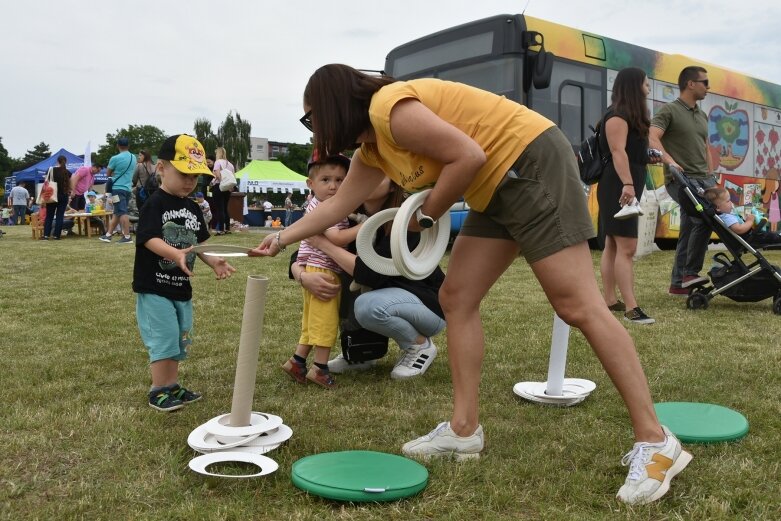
pixel 732 277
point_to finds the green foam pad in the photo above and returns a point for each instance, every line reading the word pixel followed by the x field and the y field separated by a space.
pixel 359 475
pixel 702 422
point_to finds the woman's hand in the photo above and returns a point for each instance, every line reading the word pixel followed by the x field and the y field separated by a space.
pixel 267 248
pixel 319 284
pixel 627 195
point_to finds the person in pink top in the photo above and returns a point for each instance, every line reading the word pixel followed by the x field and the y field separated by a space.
pixel 81 183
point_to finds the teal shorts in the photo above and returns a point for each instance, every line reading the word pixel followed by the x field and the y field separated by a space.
pixel 165 326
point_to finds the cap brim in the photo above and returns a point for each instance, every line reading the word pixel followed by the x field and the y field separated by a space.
pixel 191 167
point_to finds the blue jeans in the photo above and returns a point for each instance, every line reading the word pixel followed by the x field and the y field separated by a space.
pixel 288 217
pixel 19 213
pixel 693 237
pixel 59 209
pixel 397 314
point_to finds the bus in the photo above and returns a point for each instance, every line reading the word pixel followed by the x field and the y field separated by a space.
pixel 567 74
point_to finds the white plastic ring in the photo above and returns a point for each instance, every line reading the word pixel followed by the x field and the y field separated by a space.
pixel 260 422
pixel 201 463
pixel 421 262
pixel 203 441
pixel 364 243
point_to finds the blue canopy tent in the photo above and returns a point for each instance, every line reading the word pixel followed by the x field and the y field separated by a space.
pixel 37 172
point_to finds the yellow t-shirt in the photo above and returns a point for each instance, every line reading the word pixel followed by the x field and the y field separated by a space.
pixel 503 128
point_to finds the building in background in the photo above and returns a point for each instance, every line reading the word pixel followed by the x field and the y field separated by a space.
pixel 258 148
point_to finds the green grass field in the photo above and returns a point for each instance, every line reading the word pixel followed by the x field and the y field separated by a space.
pixel 79 441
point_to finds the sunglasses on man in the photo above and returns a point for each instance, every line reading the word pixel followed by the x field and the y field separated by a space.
pixel 704 82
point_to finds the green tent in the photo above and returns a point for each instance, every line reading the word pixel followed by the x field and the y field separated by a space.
pixel 269 176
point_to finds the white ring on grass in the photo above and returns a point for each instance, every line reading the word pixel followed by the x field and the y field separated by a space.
pixel 203 441
pixel 201 463
pixel 574 390
pixel 415 265
pixel 420 263
pixel 260 422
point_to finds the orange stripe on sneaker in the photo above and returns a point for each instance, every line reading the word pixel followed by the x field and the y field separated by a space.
pixel 659 467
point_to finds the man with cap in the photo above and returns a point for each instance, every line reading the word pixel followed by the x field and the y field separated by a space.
pixel 120 169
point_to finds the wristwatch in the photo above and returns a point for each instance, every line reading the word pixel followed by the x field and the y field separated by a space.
pixel 424 221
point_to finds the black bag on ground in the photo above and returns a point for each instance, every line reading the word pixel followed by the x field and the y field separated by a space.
pixel 362 345
pixel 591 160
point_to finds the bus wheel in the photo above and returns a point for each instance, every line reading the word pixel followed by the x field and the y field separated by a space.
pixel 667 244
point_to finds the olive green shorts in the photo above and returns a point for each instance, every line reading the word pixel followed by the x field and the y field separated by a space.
pixel 540 204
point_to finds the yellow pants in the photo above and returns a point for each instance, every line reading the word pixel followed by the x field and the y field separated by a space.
pixel 320 320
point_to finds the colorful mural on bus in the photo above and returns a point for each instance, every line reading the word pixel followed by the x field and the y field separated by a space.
pixel 744 116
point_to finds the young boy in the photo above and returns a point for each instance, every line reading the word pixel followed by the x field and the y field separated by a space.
pixel 320 320
pixel 169 224
pixel 718 196
pixel 204 206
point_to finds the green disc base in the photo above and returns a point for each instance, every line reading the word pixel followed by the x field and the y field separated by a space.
pixel 702 422
pixel 359 476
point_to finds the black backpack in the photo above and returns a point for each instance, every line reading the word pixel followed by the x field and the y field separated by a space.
pixel 147 189
pixel 591 160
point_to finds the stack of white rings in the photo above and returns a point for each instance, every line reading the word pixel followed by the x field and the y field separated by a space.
pixel 414 265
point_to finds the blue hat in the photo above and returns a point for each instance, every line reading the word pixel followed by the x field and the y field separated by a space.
pixel 91 194
pixel 198 194
pixel 123 142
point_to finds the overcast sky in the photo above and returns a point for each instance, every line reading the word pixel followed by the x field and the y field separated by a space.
pixel 72 71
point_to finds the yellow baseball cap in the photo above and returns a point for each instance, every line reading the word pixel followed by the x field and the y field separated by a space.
pixel 186 154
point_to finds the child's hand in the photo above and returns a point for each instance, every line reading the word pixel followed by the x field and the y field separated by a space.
pixel 180 258
pixel 222 269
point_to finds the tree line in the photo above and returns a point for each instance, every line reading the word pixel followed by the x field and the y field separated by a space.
pixel 233 134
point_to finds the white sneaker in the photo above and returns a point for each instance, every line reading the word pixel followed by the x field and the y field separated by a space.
pixel 651 468
pixel 340 365
pixel 442 441
pixel 415 362
pixel 629 210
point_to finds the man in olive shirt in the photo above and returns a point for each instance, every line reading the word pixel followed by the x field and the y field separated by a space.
pixel 680 131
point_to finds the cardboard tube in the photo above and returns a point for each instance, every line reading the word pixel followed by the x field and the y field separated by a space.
pixel 249 346
pixel 558 357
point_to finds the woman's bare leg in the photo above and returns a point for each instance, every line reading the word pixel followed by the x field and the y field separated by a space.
pixel 624 269
pixel 475 264
pixel 568 280
pixel 607 266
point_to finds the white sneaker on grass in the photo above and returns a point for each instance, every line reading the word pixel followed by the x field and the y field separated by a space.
pixel 339 365
pixel 415 361
pixel 442 441
pixel 651 468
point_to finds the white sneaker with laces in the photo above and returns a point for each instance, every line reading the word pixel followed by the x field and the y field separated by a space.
pixel 629 210
pixel 340 365
pixel 442 441
pixel 651 468
pixel 415 362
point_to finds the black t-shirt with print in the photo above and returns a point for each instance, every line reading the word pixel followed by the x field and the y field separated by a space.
pixel 179 222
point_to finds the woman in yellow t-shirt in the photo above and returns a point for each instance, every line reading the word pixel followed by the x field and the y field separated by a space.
pixel 517 171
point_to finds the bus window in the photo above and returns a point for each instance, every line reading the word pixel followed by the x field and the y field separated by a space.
pixel 432 57
pixel 499 76
pixel 557 103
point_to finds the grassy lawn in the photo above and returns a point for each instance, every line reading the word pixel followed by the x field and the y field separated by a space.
pixel 79 441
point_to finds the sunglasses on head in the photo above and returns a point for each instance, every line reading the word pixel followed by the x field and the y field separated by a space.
pixel 306 120
pixel 704 82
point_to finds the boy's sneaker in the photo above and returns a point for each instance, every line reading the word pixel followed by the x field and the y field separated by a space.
pixel 162 400
pixel 105 238
pixel 618 306
pixel 629 210
pixel 651 468
pixel 340 365
pixel 322 379
pixel 693 280
pixel 415 362
pixel 638 316
pixel 125 240
pixel 296 371
pixel 442 441
pixel 183 394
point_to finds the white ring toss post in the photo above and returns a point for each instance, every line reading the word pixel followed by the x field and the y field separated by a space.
pixel 415 265
pixel 241 435
pixel 557 390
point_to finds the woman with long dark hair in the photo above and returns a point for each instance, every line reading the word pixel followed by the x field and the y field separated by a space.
pixel 517 171
pixel 144 170
pixel 625 133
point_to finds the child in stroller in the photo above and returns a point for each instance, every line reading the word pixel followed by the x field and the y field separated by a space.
pixel 749 229
pixel 735 278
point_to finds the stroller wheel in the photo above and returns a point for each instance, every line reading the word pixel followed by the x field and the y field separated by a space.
pixel 777 305
pixel 697 301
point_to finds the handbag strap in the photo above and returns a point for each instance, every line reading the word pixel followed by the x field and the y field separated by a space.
pixel 130 162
